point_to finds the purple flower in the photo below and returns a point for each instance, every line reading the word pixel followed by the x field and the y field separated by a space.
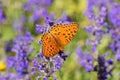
pixel 114 14
pixel 45 78
pixel 103 67
pixel 46 67
pixel 10 61
pixel 118 54
pixel 21 65
pixel 115 43
pixel 19 25
pixel 38 14
pixel 110 61
pixel 49 18
pixel 58 61
pixel 89 29
pixel 88 67
pixel 49 22
pixel 104 24
pixel 40 28
pixel 112 46
pixel 31 5
pixel 85 59
pixel 2 15
pixel 8 46
pixel 20 62
pixel 38 8
pixel 11 76
pixel 100 25
pixel 2 77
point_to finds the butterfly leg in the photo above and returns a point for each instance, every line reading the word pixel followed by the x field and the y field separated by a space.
pixel 61 53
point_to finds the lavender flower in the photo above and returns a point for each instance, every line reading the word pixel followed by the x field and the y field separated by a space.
pixel 8 46
pixel 104 24
pixel 19 63
pixel 104 67
pixel 2 77
pixel 101 26
pixel 21 47
pixel 46 67
pixel 49 22
pixel 33 4
pixel 114 15
pixel 19 25
pixel 2 14
pixel 85 59
pixel 38 8
pixel 10 61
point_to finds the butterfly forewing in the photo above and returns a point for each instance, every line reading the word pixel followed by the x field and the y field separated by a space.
pixel 64 33
pixel 49 46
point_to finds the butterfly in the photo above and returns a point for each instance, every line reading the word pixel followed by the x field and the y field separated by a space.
pixel 57 37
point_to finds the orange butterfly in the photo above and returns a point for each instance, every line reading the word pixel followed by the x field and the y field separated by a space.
pixel 57 37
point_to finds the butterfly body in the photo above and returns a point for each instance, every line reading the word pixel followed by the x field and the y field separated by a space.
pixel 57 37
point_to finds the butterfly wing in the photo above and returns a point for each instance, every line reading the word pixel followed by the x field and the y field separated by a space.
pixel 49 46
pixel 64 33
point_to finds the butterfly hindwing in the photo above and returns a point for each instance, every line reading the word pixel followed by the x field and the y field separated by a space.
pixel 49 46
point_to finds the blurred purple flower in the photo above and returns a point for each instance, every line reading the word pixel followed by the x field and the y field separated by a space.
pixel 12 76
pixel 114 15
pixel 8 46
pixel 38 8
pixel 19 25
pixel 104 18
pixel 49 22
pixel 103 69
pixel 20 62
pixel 38 14
pixel 100 25
pixel 2 15
pixel 89 67
pixel 115 43
pixel 34 4
pixel 85 59
pixel 10 61
pixel 40 28
pixel 2 77
pixel 103 66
